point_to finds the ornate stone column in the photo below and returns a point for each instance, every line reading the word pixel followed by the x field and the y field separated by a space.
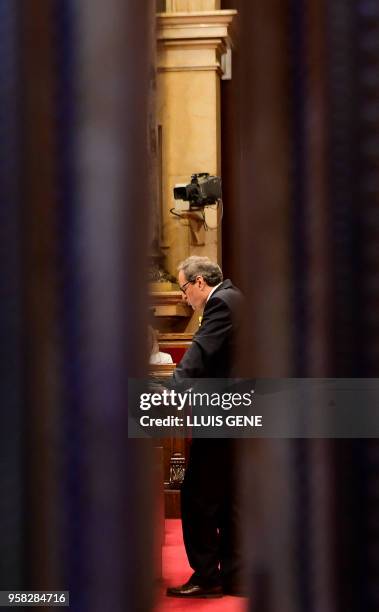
pixel 194 53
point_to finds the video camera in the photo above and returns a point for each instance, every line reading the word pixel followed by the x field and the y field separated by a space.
pixel 202 190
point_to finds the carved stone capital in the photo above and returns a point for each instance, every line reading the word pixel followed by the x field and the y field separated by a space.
pixel 199 40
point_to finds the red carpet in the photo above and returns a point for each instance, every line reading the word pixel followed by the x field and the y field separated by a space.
pixel 176 571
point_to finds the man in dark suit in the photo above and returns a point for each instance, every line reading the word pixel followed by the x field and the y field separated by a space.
pixel 209 504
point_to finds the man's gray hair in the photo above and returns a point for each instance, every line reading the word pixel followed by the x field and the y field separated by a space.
pixel 194 266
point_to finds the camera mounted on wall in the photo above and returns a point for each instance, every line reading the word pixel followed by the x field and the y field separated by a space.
pixel 203 190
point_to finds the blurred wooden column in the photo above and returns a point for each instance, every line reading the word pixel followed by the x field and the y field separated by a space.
pixel 258 209
pixel 318 235
pixel 261 215
pixel 286 484
pixel 304 254
pixel 88 195
pixel 43 539
pixel 13 399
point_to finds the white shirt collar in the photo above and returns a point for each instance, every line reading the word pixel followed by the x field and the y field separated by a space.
pixel 213 290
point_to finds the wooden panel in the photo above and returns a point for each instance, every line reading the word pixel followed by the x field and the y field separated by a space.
pixel 161 370
pixel 159 510
pixel 172 504
pixel 169 304
pixel 175 344
pixel 175 339
pixel 170 446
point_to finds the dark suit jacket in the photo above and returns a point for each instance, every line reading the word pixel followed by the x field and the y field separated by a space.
pixel 212 351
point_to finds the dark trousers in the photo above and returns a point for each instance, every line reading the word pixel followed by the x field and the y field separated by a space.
pixel 210 513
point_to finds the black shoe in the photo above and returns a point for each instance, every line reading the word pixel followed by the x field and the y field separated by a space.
pixel 194 590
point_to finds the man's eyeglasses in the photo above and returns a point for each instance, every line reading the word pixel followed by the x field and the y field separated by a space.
pixel 183 287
